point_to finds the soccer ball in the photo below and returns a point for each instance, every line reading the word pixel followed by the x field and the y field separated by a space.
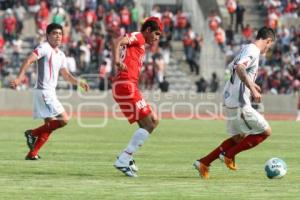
pixel 275 168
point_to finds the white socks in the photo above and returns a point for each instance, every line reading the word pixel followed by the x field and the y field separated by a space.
pixel 137 140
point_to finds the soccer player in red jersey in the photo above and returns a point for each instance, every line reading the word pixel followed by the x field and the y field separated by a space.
pixel 50 62
pixel 129 52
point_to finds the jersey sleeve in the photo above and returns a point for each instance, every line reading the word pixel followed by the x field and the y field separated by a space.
pixel 245 58
pixel 135 38
pixel 40 51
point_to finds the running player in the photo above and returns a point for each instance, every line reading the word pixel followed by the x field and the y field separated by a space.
pixel 245 125
pixel 129 52
pixel 50 61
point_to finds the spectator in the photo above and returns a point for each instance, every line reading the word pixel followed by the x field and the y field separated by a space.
pixel 220 38
pixel 188 43
pixel 247 33
pixel 2 43
pixel 71 63
pixel 42 16
pixel 159 67
pixel 239 17
pixel 17 49
pixel 231 8
pixel 33 6
pixel 214 83
pixel 134 12
pixel 164 86
pixel 229 35
pixel 201 85
pixel 181 23
pixel 214 21
pixel 125 18
pixel 19 12
pixel 9 25
pixel 59 14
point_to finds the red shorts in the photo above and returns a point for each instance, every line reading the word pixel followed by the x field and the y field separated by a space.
pixel 130 100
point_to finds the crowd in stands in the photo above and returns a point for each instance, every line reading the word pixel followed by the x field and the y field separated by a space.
pixel 280 68
pixel 89 28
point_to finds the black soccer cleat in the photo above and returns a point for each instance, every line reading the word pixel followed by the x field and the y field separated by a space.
pixel 32 158
pixel 30 139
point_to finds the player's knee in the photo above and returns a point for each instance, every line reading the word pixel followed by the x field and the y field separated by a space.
pixel 268 132
pixel 64 122
pixel 150 127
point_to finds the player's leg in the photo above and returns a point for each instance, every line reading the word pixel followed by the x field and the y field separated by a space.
pixel 202 165
pixel 257 128
pixel 44 132
pixel 146 126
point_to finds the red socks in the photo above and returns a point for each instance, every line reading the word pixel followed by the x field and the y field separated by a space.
pixel 249 142
pixel 42 139
pixel 43 132
pixel 226 144
pixel 47 127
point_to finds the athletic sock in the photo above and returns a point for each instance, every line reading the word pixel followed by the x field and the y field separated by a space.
pixel 42 139
pixel 137 140
pixel 247 143
pixel 226 144
pixel 47 127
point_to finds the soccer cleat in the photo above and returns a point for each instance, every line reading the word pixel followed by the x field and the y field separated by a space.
pixel 30 139
pixel 133 166
pixel 125 168
pixel 202 169
pixel 229 162
pixel 32 157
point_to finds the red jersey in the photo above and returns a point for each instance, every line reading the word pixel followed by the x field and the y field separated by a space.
pixel 132 55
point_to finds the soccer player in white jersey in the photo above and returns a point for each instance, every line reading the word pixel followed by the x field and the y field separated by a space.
pixel 50 61
pixel 245 125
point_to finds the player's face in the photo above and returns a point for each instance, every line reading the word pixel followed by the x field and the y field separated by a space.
pixel 268 44
pixel 153 36
pixel 55 37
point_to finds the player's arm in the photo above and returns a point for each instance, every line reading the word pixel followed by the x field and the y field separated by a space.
pixel 29 60
pixel 121 41
pixel 255 89
pixel 71 79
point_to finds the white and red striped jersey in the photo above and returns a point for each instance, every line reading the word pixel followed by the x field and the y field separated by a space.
pixel 50 61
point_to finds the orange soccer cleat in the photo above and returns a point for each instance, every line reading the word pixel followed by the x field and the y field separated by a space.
pixel 230 163
pixel 202 169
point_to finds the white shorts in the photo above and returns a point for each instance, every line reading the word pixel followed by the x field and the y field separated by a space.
pixel 245 120
pixel 46 104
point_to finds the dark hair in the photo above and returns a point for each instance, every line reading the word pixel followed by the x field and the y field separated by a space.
pixel 265 32
pixel 154 26
pixel 52 27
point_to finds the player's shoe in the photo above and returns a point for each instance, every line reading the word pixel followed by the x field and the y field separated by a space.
pixel 230 163
pixel 30 139
pixel 125 168
pixel 133 166
pixel 32 157
pixel 222 158
pixel 202 169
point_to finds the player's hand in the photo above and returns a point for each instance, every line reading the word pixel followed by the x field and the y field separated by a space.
pixel 121 66
pixel 14 83
pixel 84 85
pixel 257 87
pixel 256 96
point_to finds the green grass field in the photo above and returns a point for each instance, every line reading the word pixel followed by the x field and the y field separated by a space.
pixel 77 163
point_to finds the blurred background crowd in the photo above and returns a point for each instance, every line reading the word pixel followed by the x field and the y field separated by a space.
pixel 91 25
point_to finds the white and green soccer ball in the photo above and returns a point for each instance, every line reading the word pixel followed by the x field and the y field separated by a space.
pixel 275 168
